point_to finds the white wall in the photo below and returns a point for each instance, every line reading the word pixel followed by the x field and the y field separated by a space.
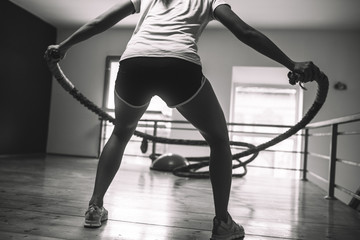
pixel 73 130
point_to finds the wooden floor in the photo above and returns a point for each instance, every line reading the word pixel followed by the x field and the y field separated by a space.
pixel 46 199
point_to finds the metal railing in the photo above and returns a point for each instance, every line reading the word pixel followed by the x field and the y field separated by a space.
pixel 333 132
pixel 300 148
pixel 252 133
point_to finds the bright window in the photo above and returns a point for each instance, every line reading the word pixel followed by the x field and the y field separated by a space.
pixel 265 104
pixel 263 96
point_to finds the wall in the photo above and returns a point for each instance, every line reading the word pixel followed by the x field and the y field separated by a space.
pixel 73 130
pixel 25 84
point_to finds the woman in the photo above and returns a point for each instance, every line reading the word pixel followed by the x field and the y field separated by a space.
pixel 161 59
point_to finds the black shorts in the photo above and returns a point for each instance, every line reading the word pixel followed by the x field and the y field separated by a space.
pixel 174 80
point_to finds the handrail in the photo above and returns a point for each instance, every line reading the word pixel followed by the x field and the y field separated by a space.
pixel 149 124
pixel 229 124
pixel 340 120
pixel 332 156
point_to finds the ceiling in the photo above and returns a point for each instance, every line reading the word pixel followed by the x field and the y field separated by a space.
pixel 264 14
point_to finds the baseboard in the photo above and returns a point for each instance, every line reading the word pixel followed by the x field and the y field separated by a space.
pixel 70 155
pixel 25 155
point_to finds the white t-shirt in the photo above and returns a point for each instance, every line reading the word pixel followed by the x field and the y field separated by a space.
pixel 170 30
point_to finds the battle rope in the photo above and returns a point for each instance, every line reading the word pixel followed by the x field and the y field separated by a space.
pixel 190 170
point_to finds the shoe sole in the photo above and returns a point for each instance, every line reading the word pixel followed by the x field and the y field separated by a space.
pixel 93 224
pixel 236 237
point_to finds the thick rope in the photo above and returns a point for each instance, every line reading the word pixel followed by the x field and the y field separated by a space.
pixel 190 170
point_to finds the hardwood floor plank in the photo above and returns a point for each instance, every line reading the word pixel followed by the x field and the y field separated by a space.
pixel 47 198
pixel 70 227
pixel 11 235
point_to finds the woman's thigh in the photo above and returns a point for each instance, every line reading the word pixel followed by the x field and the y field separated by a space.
pixel 205 113
pixel 126 118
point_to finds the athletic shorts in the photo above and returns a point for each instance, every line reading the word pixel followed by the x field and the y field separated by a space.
pixel 174 80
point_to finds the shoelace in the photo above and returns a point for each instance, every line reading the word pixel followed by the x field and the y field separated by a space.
pixel 92 208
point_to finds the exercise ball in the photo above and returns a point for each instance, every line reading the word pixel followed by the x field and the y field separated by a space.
pixel 168 162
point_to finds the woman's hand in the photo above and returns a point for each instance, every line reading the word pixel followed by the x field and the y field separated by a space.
pixel 54 53
pixel 306 71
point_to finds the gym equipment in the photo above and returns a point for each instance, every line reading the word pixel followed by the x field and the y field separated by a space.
pixel 168 162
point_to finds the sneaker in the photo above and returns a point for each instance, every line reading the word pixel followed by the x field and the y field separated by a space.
pixel 94 216
pixel 227 230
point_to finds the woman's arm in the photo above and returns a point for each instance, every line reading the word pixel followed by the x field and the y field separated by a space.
pixel 96 26
pixel 263 44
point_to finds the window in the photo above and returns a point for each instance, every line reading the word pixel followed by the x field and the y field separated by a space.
pixel 265 104
pixel 263 96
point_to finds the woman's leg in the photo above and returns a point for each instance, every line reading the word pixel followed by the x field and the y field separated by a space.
pixel 127 118
pixel 205 113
